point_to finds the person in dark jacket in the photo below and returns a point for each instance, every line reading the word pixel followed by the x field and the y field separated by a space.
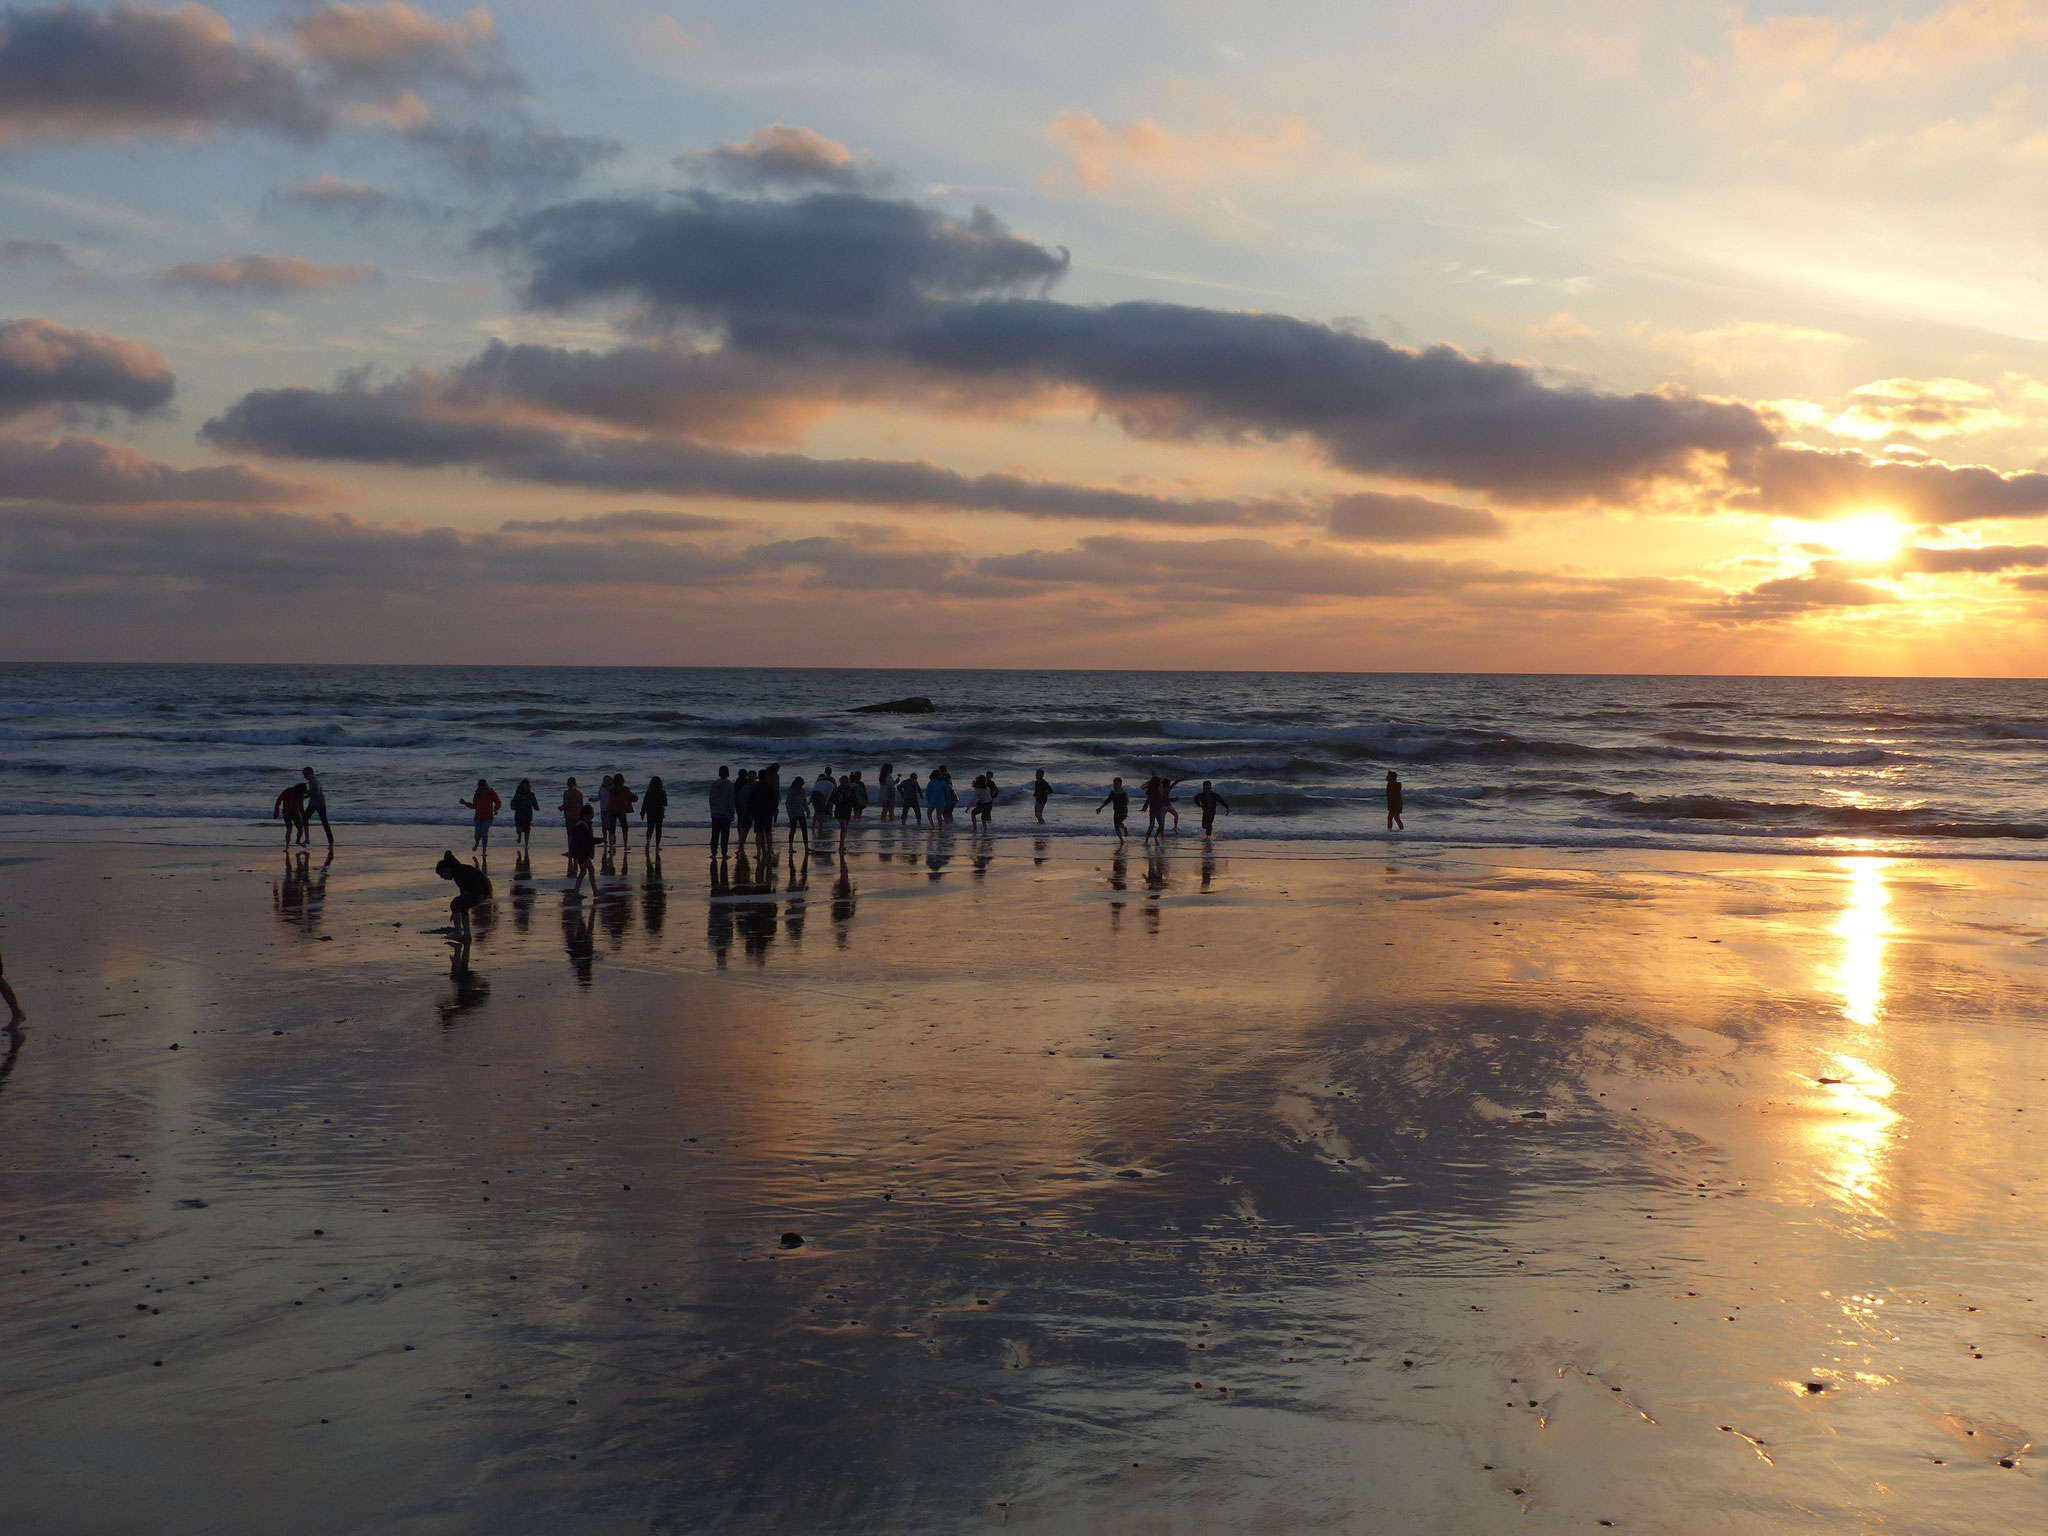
pixel 767 803
pixel 1394 802
pixel 722 800
pixel 524 803
pixel 653 808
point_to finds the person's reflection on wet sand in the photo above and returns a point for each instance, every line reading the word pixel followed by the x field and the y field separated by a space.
pixel 1208 867
pixel 616 909
pixel 579 940
pixel 842 902
pixel 754 919
pixel 653 898
pixel 471 988
pixel 718 924
pixel 795 907
pixel 937 855
pixel 1039 849
pixel 522 892
pixel 300 896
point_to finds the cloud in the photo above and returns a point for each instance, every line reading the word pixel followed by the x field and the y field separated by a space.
pixel 44 365
pixel 86 471
pixel 1977 558
pixel 1105 158
pixel 627 522
pixel 410 423
pixel 389 39
pixel 519 157
pixel 70 72
pixel 1815 483
pixel 781 155
pixel 267 275
pixel 12 251
pixel 1244 568
pixel 827 258
pixel 841 277
pixel 1788 597
pixel 180 71
pixel 1375 517
pixel 353 199
pixel 1923 408
pixel 1562 326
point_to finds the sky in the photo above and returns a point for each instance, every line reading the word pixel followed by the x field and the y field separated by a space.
pixel 1557 337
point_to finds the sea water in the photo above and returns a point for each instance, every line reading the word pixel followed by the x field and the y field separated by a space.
pixel 1902 766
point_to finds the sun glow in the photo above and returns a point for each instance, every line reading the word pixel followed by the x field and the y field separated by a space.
pixel 1871 536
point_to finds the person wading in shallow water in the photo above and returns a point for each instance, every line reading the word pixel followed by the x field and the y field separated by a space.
pixel 1210 802
pixel 316 804
pixel 485 809
pixel 1119 803
pixel 1394 802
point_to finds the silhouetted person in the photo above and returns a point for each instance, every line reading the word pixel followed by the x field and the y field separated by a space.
pixel 844 804
pixel 472 889
pixel 767 802
pixel 1394 802
pixel 291 805
pixel 860 794
pixel 572 813
pixel 885 791
pixel 799 813
pixel 316 804
pixel 938 795
pixel 995 793
pixel 743 807
pixel 1040 793
pixel 653 810
pixel 583 851
pixel 821 797
pixel 910 798
pixel 524 803
pixel 619 812
pixel 1119 802
pixel 721 801
pixel 485 809
pixel 1210 803
pixel 984 799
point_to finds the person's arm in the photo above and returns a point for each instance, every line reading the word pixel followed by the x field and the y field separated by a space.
pixel 465 803
pixel 1223 802
pixel 1105 801
pixel 277 808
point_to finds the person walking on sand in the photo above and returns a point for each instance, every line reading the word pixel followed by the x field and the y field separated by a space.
pixel 524 803
pixel 1210 803
pixel 316 804
pixel 291 805
pixel 721 802
pixel 583 849
pixel 799 815
pixel 485 809
pixel 1040 793
pixel 1119 802
pixel 1394 802
pixel 653 811
pixel 572 813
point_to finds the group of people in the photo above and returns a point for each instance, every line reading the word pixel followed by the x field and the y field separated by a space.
pixel 1159 804
pixel 299 803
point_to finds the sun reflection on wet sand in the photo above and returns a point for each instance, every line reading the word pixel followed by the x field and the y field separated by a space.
pixel 1860 1132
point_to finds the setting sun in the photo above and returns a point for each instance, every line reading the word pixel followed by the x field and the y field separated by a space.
pixel 1871 536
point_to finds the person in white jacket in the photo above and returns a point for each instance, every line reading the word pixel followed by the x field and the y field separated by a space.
pixel 721 802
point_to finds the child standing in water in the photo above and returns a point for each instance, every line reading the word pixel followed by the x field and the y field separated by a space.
pixel 1040 793
pixel 485 808
pixel 524 803
pixel 1394 802
pixel 1119 802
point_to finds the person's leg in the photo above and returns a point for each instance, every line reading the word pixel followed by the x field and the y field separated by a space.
pixel 325 826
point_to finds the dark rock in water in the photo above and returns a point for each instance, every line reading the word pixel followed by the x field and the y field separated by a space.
pixel 1816 1386
pixel 919 705
pixel 1129 1173
pixel 1535 1114
pixel 792 1240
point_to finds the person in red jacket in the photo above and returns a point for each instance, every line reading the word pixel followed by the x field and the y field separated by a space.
pixel 485 808
pixel 291 805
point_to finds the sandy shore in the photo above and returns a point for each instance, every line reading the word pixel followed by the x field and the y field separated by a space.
pixel 1435 1191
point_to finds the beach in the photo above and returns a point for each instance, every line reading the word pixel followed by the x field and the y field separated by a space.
pixel 1015 1183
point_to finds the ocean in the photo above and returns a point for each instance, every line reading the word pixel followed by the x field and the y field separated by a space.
pixel 1909 767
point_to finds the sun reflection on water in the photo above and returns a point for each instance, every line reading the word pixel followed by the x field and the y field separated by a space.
pixel 1860 1128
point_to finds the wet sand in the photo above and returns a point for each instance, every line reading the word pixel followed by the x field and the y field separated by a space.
pixel 1442 1191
